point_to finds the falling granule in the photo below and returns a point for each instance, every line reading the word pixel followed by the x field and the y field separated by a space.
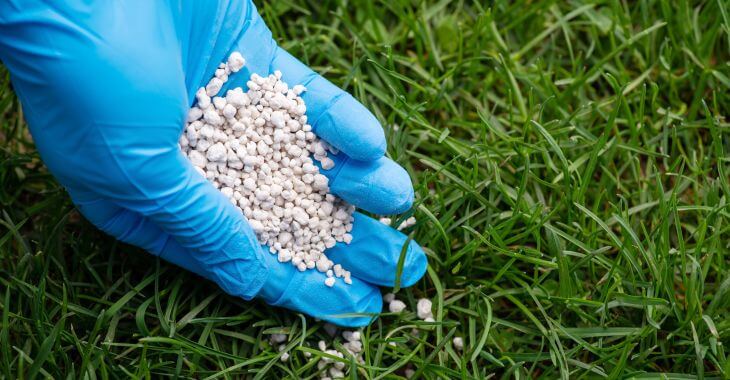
pixel 255 147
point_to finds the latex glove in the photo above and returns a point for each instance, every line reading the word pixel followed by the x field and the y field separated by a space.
pixel 106 86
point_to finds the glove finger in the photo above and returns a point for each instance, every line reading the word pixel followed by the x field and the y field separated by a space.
pixel 380 186
pixel 135 229
pixel 374 251
pixel 351 305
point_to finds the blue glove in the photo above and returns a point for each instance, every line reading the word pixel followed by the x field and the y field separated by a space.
pixel 106 87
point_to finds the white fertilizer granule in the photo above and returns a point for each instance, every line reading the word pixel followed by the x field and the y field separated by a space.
pixel 255 147
pixel 334 369
pixel 396 306
pixel 458 343
pixel 278 338
pixel 423 309
pixel 411 221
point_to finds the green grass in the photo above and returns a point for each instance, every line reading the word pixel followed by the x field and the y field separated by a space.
pixel 571 163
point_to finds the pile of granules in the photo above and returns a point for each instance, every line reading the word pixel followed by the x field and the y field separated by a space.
pixel 255 147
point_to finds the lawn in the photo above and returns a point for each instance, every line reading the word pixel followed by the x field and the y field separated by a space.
pixel 572 174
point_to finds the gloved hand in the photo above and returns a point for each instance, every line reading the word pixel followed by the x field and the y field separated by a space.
pixel 106 86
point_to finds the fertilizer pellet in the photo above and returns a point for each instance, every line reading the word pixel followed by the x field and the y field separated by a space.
pixel 255 147
pixel 405 224
pixel 458 343
pixel 278 338
pixel 351 336
pixel 423 309
pixel 355 347
pixel 284 357
pixel 396 306
pixel 336 373
pixel 335 368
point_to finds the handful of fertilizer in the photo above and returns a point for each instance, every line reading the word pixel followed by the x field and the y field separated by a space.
pixel 255 147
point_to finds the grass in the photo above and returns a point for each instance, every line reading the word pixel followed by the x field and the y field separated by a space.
pixel 571 163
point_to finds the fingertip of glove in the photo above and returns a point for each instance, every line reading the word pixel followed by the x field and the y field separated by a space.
pixel 353 129
pixel 403 202
pixel 396 187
